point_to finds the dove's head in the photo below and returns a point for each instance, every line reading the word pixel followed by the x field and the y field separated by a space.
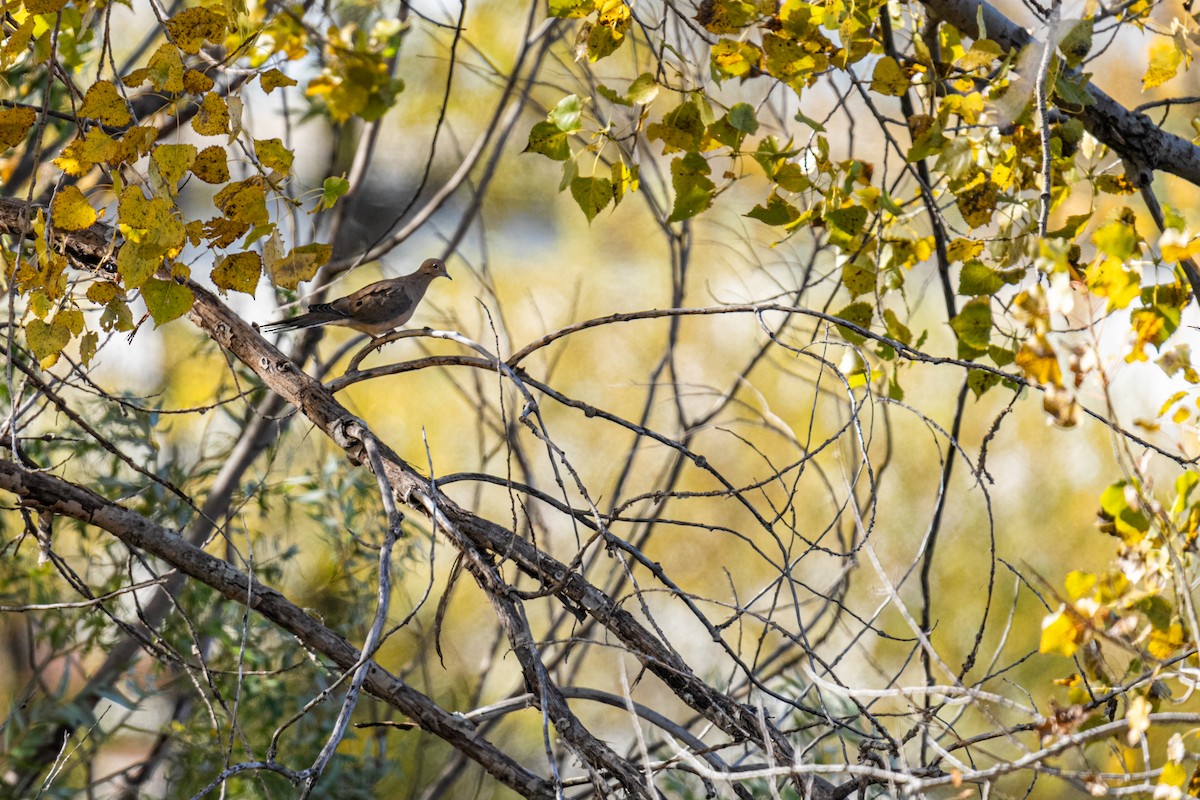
pixel 434 268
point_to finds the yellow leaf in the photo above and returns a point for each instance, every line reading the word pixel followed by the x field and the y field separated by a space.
pixel 888 78
pixel 195 82
pixel 102 292
pixel 17 41
pixel 136 262
pixel 239 272
pixel 298 265
pixel 14 125
pixel 977 201
pixel 272 79
pixel 194 230
pixel 149 220
pixel 71 318
pixel 44 6
pixel 102 102
pixel 1079 583
pixel 137 141
pixel 191 27
pixel 1173 774
pixel 94 148
pixel 70 210
pixel 221 232
pixel 1109 278
pixel 213 117
pixel 273 154
pixel 173 160
pixel 1177 253
pixel 1165 58
pixel 87 347
pixel 1038 361
pixel 1059 634
pixel 46 340
pixel 211 165
pixel 734 59
pixel 1164 644
pixel 151 232
pixel 963 249
pixel 244 201
pixel 165 71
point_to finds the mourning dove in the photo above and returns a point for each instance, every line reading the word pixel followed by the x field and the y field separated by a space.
pixel 376 309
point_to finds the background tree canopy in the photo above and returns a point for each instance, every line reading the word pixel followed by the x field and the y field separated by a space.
pixel 813 412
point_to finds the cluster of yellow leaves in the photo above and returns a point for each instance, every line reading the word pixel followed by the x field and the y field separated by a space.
pixel 793 48
pixel 357 79
pixel 602 35
pixel 1130 606
pixel 153 228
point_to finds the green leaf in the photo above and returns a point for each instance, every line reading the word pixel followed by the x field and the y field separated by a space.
pixel 1071 228
pixel 741 116
pixel 1072 90
pixel 1157 610
pixel 166 300
pixel 895 328
pixel 681 128
pixel 1076 43
pixel 974 324
pixel 927 137
pixel 612 95
pixel 979 381
pixel 546 138
pixel 857 314
pixel 1185 484
pixel 643 90
pixel 567 114
pixel 777 211
pixel 810 122
pixel 849 220
pixel 592 194
pixel 332 190
pixel 87 347
pixel 977 278
pixel 1131 524
pixel 693 189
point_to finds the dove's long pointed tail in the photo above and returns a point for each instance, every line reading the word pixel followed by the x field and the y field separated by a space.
pixel 310 320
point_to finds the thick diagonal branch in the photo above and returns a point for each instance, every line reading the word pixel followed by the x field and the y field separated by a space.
pixel 46 492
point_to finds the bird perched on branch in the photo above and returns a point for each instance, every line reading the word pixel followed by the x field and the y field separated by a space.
pixel 376 309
